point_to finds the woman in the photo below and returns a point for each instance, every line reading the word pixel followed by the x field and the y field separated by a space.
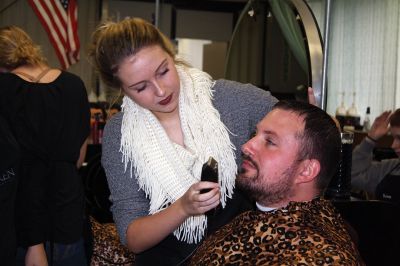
pixel 173 119
pixel 48 112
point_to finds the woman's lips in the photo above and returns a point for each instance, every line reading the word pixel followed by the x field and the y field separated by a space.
pixel 166 100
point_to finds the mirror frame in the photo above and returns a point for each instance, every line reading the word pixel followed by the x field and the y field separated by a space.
pixel 314 49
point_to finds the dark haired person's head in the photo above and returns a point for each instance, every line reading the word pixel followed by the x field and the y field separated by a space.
pixel 320 138
pixel 395 131
pixel 293 156
pixel 395 118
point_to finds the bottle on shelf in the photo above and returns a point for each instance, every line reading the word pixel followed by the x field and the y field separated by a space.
pixel 367 120
pixel 340 113
pixel 97 129
pixel 352 116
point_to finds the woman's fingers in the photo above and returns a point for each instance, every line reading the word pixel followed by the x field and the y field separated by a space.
pixel 197 202
pixel 311 96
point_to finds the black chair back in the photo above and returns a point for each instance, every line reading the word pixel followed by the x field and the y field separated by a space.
pixel 96 190
pixel 377 226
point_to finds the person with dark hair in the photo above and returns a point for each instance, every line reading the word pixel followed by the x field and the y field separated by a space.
pixel 173 118
pixel 381 179
pixel 286 167
pixel 48 113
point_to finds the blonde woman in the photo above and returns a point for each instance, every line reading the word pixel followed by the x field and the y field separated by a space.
pixel 49 114
pixel 174 117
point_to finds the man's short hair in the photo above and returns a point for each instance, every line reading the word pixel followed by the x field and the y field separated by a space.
pixel 320 139
pixel 395 119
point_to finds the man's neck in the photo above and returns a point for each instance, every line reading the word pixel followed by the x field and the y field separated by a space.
pixel 300 196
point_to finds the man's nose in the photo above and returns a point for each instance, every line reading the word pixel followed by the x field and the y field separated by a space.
pixel 248 147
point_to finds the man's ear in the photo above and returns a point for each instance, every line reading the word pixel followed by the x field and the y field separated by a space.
pixel 308 170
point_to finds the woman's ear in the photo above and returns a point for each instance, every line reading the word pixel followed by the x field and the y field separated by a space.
pixel 308 170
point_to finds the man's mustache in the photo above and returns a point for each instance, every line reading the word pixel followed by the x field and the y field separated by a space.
pixel 248 158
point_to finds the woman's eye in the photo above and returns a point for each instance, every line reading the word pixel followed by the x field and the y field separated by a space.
pixel 165 71
pixel 140 89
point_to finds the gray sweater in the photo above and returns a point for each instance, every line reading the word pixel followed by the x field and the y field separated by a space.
pixel 240 106
pixel 366 173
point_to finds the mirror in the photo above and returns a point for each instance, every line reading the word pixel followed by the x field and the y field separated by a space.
pixel 277 45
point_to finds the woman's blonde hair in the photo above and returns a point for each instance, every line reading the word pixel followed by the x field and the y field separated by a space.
pixel 114 41
pixel 17 49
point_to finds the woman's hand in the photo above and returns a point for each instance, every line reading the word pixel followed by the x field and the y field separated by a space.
pixel 311 96
pixel 380 126
pixel 194 203
pixel 146 232
pixel 36 256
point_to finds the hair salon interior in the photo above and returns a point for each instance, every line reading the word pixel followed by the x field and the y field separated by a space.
pixel 347 50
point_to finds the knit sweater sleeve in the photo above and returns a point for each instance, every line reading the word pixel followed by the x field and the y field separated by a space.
pixel 128 201
pixel 365 172
pixel 241 107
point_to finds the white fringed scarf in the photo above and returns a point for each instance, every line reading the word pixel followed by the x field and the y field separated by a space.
pixel 155 161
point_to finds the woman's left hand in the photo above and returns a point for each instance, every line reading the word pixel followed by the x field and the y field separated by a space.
pixel 311 96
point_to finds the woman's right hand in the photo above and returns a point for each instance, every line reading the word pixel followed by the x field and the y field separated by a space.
pixel 146 232
pixel 380 126
pixel 194 203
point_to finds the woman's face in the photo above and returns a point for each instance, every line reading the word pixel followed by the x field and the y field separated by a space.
pixel 150 79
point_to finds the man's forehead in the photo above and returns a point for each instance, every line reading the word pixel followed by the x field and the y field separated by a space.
pixel 279 117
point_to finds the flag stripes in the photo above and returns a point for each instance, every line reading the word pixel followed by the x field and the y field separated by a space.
pixel 60 20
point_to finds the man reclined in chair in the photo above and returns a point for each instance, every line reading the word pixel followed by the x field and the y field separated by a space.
pixel 286 167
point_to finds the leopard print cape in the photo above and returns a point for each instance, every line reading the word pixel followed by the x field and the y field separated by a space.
pixel 303 233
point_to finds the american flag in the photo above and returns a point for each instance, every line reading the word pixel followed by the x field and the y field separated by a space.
pixel 60 20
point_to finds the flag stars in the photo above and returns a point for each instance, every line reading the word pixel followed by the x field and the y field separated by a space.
pixel 64 3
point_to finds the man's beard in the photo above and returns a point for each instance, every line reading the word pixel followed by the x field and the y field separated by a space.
pixel 267 194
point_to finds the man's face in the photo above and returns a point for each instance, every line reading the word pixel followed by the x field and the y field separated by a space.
pixel 395 132
pixel 270 163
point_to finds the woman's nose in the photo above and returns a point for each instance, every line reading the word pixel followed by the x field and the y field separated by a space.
pixel 159 90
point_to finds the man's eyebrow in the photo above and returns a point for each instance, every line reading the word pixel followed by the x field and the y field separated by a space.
pixel 269 132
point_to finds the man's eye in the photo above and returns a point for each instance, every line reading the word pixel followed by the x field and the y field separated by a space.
pixel 269 142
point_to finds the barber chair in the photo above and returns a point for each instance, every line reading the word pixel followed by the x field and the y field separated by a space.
pixel 104 243
pixel 96 191
pixel 377 226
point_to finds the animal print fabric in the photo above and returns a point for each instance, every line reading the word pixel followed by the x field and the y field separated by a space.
pixel 107 248
pixel 306 233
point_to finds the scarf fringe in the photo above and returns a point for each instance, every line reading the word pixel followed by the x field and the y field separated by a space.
pixel 214 127
pixel 192 229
